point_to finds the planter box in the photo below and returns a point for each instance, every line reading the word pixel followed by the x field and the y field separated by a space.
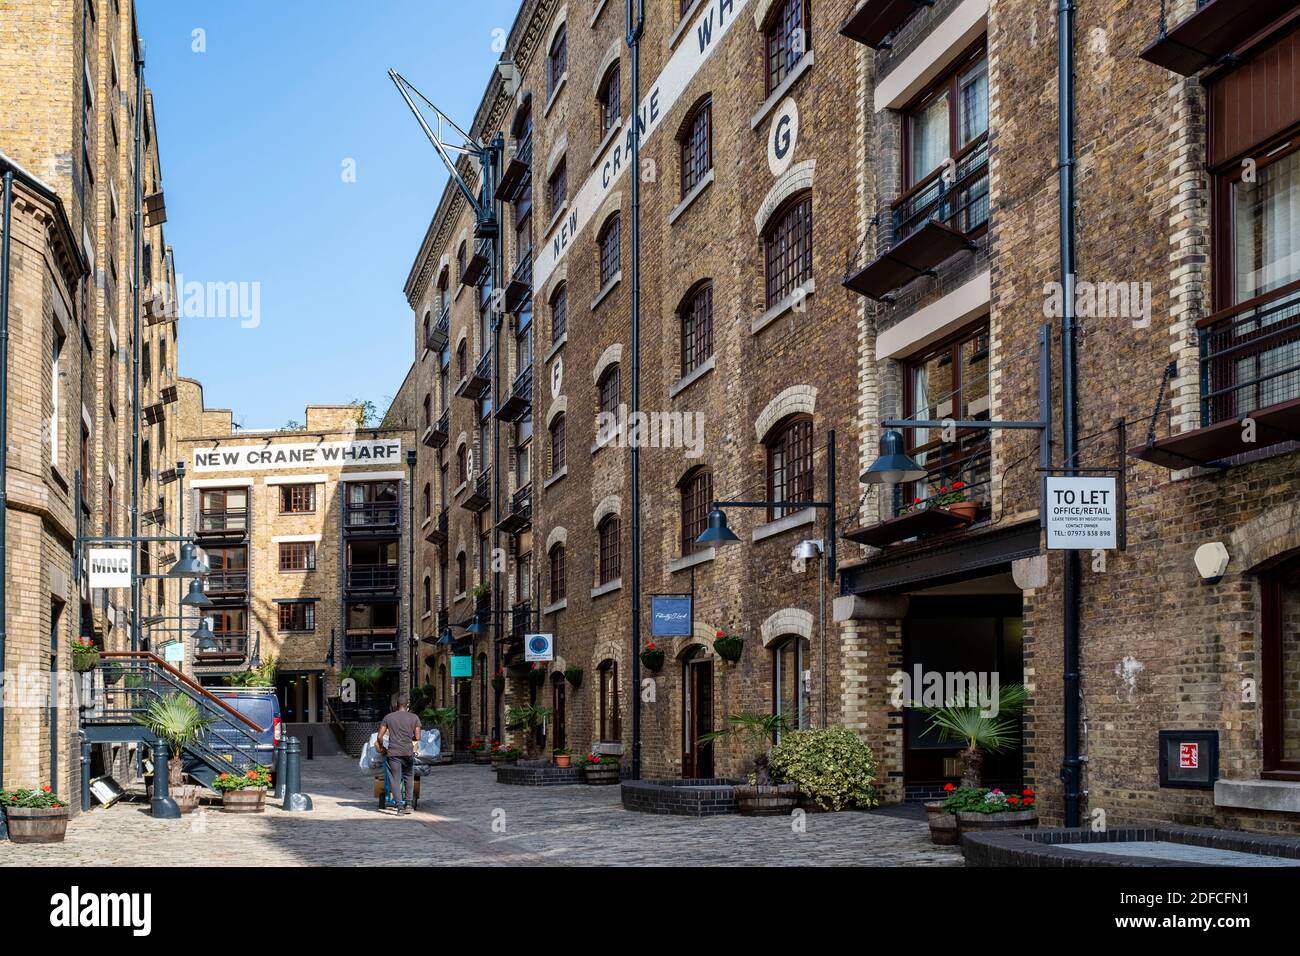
pixel 483 757
pixel 943 825
pixel 37 826
pixel 987 822
pixel 775 800
pixel 250 800
pixel 500 761
pixel 601 775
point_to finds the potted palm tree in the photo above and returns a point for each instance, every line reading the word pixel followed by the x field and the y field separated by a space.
pixel 981 730
pixel 177 720
pixel 529 718
pixel 762 797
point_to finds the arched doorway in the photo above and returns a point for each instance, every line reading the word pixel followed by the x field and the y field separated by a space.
pixel 697 712
pixel 559 737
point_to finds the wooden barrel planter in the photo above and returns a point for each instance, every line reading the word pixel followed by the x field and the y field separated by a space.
pixel 502 761
pixel 251 800
pixel 988 822
pixel 943 825
pixel 483 757
pixel 775 800
pixel 600 775
pixel 37 826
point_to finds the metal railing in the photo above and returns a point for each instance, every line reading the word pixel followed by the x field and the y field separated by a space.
pixel 1250 355
pixel 231 519
pixel 521 503
pixel 373 577
pixel 483 369
pixel 372 514
pixel 960 201
pixel 371 641
pixel 521 620
pixel 224 582
pixel 522 389
pixel 483 483
pixel 958 471
pixel 228 645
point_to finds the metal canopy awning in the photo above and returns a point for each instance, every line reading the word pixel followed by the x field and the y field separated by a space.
pixel 871 21
pixel 913 257
pixel 1211 33
pixel 931 565
pixel 922 521
pixel 1211 445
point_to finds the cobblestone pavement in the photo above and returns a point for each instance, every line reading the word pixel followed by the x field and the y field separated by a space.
pixel 562 826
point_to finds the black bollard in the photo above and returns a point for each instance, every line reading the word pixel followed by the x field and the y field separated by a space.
pixel 294 799
pixel 277 770
pixel 163 806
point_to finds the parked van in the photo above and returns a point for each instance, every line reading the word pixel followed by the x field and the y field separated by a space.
pixel 262 707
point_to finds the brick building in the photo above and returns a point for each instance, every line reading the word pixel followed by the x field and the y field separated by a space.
pixel 71 111
pixel 742 241
pixel 307 536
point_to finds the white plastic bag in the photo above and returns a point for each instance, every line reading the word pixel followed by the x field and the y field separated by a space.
pixel 430 746
pixel 371 757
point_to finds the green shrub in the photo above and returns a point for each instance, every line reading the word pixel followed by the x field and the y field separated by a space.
pixel 832 767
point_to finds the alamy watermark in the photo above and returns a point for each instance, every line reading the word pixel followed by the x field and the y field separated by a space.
pixel 651 430
pixel 1100 300
pixel 209 300
pixel 923 688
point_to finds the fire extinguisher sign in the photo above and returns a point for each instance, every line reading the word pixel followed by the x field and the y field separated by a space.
pixel 1189 756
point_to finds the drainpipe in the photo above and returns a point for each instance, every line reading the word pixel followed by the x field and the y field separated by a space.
pixel 635 27
pixel 411 639
pixel 496 275
pixel 4 454
pixel 1071 762
pixel 137 248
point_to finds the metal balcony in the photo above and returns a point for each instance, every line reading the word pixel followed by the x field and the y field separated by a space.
pixel 520 515
pixel 480 495
pixel 872 22
pixel 478 263
pixel 477 383
pixel 520 399
pixel 370 640
pixel 1249 368
pixel 233 522
pixel 437 533
pixel 229 647
pixel 521 620
pixel 373 577
pixel 437 337
pixel 517 169
pixel 520 286
pixel 1209 35
pixel 226 583
pixel 932 222
pixel 372 515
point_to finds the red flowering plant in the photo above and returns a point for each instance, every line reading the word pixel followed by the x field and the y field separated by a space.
pixel 652 657
pixel 259 778
pixel 505 751
pixel 968 799
pixel 24 799
pixel 727 646
pixel 598 760
pixel 477 745
pixel 951 494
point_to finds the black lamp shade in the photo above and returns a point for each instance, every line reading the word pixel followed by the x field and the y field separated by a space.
pixel 893 466
pixel 717 532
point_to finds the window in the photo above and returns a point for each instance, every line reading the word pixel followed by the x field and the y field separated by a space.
pixel 788 247
pixel 462 465
pixel 557 60
pixel 557 444
pixel 608 387
pixel 697 327
pixel 611 728
pixel 557 573
pixel 523 438
pixel 460 573
pixel 297 499
pixel 460 262
pixel 950 380
pixel 298 616
pixel 609 250
pixel 428 409
pixel 56 396
pixel 559 313
pixel 789 692
pixel 609 551
pixel 947 118
pixel 785 39
pixel 462 361
pixel 789 464
pixel 697 146
pixel 428 326
pixel 608 103
pixel 697 496
pixel 427 500
pixel 427 586
pixel 223 509
pixel 297 555
pixel 557 188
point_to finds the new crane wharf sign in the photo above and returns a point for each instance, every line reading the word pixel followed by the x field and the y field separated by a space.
pixel 706 33
pixel 298 454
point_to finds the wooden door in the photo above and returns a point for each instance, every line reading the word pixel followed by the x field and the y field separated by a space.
pixel 697 760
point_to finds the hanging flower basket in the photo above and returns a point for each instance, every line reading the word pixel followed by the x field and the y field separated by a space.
pixel 498 683
pixel 574 676
pixel 728 647
pixel 652 658
pixel 85 656
pixel 537 676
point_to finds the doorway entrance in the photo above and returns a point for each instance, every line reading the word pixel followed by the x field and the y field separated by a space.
pixel 464 701
pixel 302 696
pixel 956 638
pixel 697 714
pixel 557 712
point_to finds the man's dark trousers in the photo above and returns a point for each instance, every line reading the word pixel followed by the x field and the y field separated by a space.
pixel 402 769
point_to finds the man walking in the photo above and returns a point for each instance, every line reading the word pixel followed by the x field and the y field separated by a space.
pixel 403 730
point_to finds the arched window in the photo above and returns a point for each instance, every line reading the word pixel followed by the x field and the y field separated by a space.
pixel 460 573
pixel 788 248
pixel 696 314
pixel 786 37
pixel 428 327
pixel 558 735
pixel 789 464
pixel 428 500
pixel 789 693
pixel 557 60
pixel 462 360
pixel 427 594
pixel 608 100
pixel 462 465
pixel 697 495
pixel 557 444
pixel 557 188
pixel 611 728
pixel 428 409
pixel 608 559
pixel 610 250
pixel 482 668
pixel 559 312
pixel 556 561
pixel 607 390
pixel 696 145
pixel 460 262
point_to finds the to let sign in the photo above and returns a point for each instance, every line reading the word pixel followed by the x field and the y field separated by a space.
pixel 1082 513
pixel 109 567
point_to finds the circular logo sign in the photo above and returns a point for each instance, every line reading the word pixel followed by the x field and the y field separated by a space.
pixel 557 376
pixel 782 136
pixel 539 644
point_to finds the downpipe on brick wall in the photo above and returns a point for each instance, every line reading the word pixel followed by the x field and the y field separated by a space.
pixel 4 456
pixel 1071 762
pixel 635 27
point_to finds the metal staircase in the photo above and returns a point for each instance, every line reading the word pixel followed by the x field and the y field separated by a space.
pixel 127 682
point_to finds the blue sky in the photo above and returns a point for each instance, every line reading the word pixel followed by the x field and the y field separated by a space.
pixel 254 134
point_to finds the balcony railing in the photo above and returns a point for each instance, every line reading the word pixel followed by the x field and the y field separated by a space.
pixel 521 620
pixel 232 520
pixel 521 511
pixel 874 22
pixel 442 619
pixel 476 383
pixel 373 577
pixel 480 497
pixel 226 582
pixel 1250 356
pixel 520 399
pixel 437 337
pixel 516 170
pixel 229 646
pixel 931 222
pixel 521 282
pixel 477 265
pixel 372 514
pixel 955 493
pixel 437 533
pixel 1210 35
pixel 370 640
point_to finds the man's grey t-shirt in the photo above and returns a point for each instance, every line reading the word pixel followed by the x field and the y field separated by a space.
pixel 403 726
